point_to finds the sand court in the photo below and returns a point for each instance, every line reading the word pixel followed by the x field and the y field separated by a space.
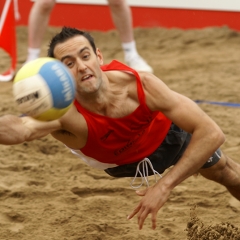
pixel 48 193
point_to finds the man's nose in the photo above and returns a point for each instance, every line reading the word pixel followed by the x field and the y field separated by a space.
pixel 81 66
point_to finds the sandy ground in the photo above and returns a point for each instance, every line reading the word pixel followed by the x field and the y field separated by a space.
pixel 47 193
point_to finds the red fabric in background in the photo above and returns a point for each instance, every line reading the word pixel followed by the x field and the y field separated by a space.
pixel 8 35
pixel 97 17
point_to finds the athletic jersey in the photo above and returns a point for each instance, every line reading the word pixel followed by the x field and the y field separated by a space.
pixel 118 141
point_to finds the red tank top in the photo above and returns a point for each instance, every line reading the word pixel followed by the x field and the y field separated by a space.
pixel 127 139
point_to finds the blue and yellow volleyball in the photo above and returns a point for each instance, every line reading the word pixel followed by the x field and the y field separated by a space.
pixel 44 89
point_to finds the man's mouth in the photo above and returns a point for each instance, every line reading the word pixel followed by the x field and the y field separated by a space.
pixel 86 77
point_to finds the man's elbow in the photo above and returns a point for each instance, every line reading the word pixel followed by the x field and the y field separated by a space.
pixel 218 137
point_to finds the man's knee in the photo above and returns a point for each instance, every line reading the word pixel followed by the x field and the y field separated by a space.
pixel 116 3
pixel 46 5
pixel 216 171
pixel 213 159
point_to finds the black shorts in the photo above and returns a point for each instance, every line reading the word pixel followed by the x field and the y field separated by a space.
pixel 165 156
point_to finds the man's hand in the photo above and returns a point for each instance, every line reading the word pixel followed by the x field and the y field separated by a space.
pixel 11 130
pixel 153 199
pixel 16 130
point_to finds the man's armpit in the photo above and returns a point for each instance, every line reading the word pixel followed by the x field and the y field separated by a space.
pixel 68 139
pixel 61 133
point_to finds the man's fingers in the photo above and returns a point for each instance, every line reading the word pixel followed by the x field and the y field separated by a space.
pixel 146 206
pixel 134 212
pixel 154 220
pixel 142 215
pixel 141 218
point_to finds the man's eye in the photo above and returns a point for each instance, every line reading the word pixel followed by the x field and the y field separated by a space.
pixel 69 64
pixel 86 56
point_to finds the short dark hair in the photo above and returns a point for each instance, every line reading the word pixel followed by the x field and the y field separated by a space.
pixel 65 34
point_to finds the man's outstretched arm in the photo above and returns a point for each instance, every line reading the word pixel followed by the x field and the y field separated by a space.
pixel 206 138
pixel 16 130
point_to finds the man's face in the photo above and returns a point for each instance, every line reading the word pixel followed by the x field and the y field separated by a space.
pixel 77 54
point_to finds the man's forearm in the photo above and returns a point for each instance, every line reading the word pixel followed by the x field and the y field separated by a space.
pixel 199 150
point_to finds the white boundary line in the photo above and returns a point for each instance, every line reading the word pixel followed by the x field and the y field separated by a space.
pixel 4 14
pixel 217 5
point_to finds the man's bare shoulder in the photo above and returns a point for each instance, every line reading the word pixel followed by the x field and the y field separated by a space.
pixel 149 79
pixel 120 77
pixel 157 93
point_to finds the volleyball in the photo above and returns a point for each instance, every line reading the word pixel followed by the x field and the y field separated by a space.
pixel 44 89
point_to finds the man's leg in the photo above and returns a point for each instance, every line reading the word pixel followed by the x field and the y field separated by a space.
pixel 37 25
pixel 225 172
pixel 122 18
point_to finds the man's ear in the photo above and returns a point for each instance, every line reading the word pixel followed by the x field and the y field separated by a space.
pixel 99 56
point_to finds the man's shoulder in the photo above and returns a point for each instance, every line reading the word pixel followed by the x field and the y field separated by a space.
pixel 121 77
pixel 148 78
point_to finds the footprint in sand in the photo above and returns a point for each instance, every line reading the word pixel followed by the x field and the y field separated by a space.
pixel 12 221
